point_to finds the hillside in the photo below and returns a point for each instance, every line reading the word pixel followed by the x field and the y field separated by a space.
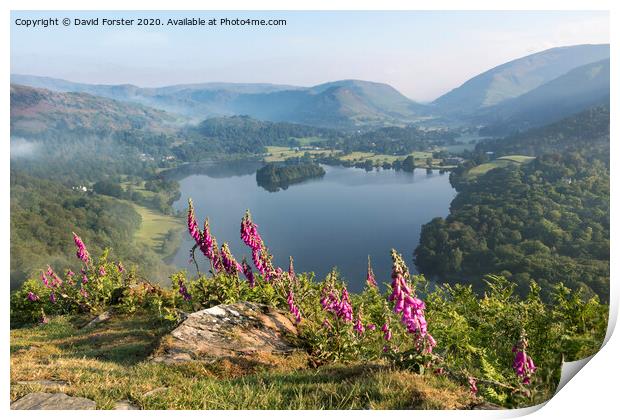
pixel 546 220
pixel 342 104
pixel 587 132
pixel 34 111
pixel 517 77
pixel 579 89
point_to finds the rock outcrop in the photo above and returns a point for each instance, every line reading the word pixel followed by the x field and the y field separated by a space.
pixel 55 401
pixel 236 330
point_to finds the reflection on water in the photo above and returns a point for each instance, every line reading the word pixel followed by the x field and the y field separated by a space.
pixel 335 221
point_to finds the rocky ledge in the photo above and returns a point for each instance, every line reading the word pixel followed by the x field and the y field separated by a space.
pixel 242 329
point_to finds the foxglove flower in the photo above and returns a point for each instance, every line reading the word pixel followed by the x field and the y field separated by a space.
pixel 345 310
pixel 52 297
pixel 120 267
pixel 291 269
pixel 45 280
pixel 523 364
pixel 371 327
pixel 32 297
pixel 473 387
pixel 217 262
pixel 102 271
pixel 247 271
pixel 84 279
pixel 183 291
pixel 370 276
pixel 249 232
pixel 56 281
pixel 406 303
pixel 358 325
pixel 293 309
pixel 231 266
pixel 192 225
pixel 206 242
pixel 82 252
pixel 387 333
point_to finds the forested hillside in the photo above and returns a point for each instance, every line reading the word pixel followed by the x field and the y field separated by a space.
pixel 546 221
pixel 45 212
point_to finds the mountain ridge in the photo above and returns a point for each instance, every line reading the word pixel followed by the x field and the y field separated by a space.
pixel 517 77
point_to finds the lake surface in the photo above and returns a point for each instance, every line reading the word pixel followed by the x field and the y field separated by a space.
pixel 334 221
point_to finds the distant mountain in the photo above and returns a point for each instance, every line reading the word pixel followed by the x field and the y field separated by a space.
pixel 517 78
pixel 579 89
pixel 341 104
pixel 35 111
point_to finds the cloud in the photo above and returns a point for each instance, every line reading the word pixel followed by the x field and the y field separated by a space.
pixel 23 149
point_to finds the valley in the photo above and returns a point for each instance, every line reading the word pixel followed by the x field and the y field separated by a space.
pixel 273 216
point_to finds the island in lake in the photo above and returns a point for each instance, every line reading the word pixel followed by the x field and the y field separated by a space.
pixel 274 177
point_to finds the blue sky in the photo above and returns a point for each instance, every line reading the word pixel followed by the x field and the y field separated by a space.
pixel 422 54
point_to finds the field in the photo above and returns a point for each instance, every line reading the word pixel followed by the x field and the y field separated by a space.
pixel 499 163
pixel 155 231
pixel 517 158
pixel 109 363
pixel 279 153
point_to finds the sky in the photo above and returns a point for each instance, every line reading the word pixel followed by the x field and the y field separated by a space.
pixel 422 54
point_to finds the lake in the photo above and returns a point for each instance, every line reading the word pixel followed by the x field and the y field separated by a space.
pixel 334 221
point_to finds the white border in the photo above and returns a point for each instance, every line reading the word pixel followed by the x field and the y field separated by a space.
pixel 592 394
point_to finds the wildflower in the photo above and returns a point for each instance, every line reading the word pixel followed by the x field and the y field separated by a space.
pixel 472 385
pixel 293 307
pixel 120 267
pixel 358 325
pixel 409 305
pixel 52 297
pixel 345 310
pixel 83 292
pixel 70 273
pixel 216 259
pixel 56 281
pixel 268 271
pixel 183 290
pixel 249 232
pixel 102 271
pixel 32 297
pixel 228 260
pixel 206 242
pixel 371 327
pixel 387 336
pixel 247 271
pixel 260 254
pixel 370 276
pixel 82 252
pixel 523 364
pixel 192 225
pixel 291 269
pixel 45 280
pixel 84 279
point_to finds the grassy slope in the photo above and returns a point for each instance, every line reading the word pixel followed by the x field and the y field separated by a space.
pixel 499 163
pixel 154 228
pixel 107 363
